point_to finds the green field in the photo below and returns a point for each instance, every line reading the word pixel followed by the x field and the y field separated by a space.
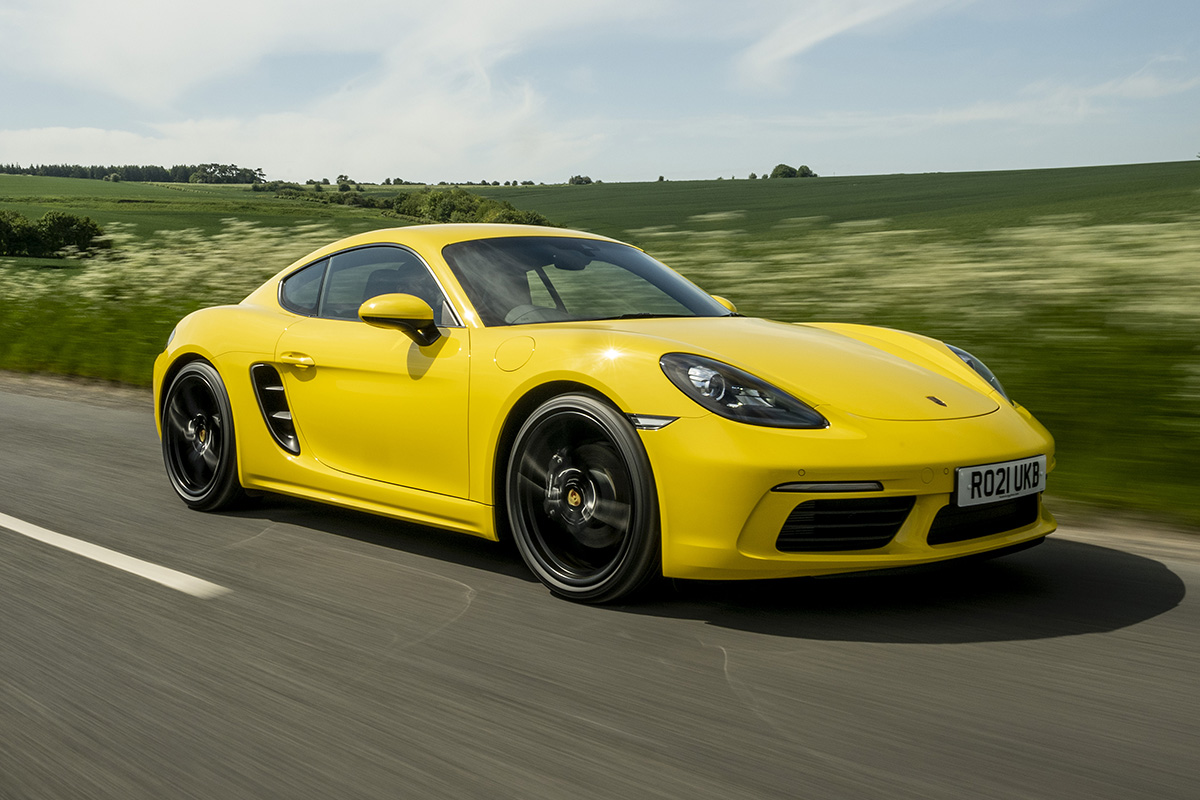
pixel 147 207
pixel 964 205
pixel 1080 287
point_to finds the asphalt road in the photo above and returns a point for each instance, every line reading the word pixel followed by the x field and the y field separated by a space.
pixel 354 657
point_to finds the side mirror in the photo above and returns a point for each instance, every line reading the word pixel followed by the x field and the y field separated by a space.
pixel 406 312
pixel 727 303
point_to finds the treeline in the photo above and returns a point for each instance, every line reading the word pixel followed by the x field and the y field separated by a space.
pixel 426 205
pixel 459 205
pixel 52 236
pixel 180 173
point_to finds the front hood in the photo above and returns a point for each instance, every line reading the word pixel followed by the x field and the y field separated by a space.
pixel 821 367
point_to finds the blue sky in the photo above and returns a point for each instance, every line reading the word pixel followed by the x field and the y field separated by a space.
pixel 620 90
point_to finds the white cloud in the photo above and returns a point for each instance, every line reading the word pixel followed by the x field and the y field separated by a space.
pixel 151 52
pixel 144 51
pixel 409 124
pixel 808 24
pixel 432 110
pixel 1150 82
pixel 64 145
pixel 1045 103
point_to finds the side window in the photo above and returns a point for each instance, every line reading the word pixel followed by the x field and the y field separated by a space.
pixel 358 275
pixel 300 291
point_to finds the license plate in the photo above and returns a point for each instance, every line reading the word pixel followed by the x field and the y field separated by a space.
pixel 992 483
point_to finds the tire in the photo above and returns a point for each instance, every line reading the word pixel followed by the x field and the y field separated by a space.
pixel 198 439
pixel 581 501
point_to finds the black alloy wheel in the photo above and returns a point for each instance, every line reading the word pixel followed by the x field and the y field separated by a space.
pixel 581 501
pixel 197 439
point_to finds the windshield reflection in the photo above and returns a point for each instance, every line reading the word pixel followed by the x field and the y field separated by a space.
pixel 531 279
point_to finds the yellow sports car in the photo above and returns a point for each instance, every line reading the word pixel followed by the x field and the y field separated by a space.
pixel 615 420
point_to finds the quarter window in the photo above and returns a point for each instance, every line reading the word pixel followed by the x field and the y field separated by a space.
pixel 301 290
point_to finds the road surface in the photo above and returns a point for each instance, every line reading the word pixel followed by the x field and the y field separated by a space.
pixel 329 654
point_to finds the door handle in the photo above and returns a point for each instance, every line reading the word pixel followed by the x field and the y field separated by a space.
pixel 297 360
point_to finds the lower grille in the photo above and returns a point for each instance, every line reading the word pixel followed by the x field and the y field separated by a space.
pixel 953 524
pixel 821 526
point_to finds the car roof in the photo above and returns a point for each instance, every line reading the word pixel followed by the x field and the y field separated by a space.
pixel 432 238
pixel 426 239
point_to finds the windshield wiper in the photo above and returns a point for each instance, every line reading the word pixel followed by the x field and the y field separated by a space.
pixel 643 315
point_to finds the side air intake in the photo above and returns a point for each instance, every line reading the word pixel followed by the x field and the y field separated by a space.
pixel 272 401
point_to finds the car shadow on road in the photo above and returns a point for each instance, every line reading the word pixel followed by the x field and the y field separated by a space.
pixel 419 540
pixel 1062 588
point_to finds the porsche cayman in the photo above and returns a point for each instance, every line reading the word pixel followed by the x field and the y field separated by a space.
pixel 617 422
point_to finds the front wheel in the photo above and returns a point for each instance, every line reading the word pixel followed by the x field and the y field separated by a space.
pixel 581 501
pixel 197 439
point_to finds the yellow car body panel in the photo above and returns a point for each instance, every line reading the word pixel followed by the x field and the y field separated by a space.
pixel 419 433
pixel 375 404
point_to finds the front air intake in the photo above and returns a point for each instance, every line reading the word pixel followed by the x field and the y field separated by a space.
pixel 822 526
pixel 954 524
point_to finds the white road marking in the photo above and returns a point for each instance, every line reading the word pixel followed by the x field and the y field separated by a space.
pixel 197 587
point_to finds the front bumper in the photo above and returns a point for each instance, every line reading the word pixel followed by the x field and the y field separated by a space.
pixel 721 520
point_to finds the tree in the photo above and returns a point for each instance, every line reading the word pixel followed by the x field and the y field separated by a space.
pixel 753 176
pixel 784 171
pixel 57 230
pixel 579 180
pixel 216 173
pixel 459 205
pixel 16 233
pixel 51 234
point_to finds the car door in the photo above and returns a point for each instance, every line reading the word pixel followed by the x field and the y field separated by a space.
pixel 369 401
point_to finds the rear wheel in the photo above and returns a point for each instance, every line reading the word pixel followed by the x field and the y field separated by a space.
pixel 198 441
pixel 581 501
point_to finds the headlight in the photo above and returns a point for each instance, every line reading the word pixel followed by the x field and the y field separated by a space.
pixel 737 395
pixel 977 365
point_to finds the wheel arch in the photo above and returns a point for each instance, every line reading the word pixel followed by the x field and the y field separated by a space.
pixel 168 376
pixel 517 414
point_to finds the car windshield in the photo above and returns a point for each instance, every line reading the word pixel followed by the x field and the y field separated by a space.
pixel 520 280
